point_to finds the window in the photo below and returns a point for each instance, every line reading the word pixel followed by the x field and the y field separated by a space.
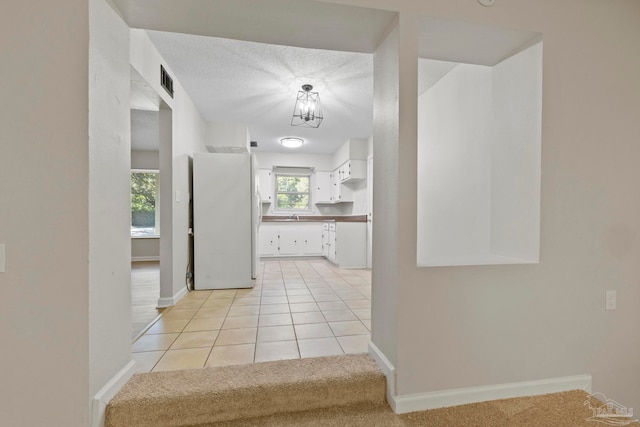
pixel 145 206
pixel 292 192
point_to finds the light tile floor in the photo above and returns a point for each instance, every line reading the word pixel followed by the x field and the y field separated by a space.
pixel 298 308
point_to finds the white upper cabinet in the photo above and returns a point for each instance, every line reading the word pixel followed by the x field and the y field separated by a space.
pixel 353 170
pixel 339 193
pixel 322 187
pixel 266 185
pixel 328 188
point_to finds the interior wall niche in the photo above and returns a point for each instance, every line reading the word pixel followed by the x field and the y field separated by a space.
pixel 479 145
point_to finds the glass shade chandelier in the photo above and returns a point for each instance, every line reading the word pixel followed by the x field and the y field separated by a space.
pixel 307 112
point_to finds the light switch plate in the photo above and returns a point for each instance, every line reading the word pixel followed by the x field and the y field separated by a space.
pixel 3 258
pixel 610 303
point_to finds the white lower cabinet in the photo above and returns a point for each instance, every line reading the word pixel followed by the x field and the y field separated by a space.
pixel 343 243
pixel 347 244
pixel 268 241
pixel 291 239
pixel 312 241
pixel 325 240
pixel 332 242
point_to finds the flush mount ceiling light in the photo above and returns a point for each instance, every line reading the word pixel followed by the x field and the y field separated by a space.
pixel 291 142
pixel 307 112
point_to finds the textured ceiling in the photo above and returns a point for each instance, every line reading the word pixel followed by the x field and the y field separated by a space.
pixel 256 84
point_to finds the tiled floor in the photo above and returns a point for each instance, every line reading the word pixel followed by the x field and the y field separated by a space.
pixel 298 308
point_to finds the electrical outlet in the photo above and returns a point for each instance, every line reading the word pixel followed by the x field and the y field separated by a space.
pixel 610 303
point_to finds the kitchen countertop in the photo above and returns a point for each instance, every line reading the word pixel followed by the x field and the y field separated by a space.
pixel 315 218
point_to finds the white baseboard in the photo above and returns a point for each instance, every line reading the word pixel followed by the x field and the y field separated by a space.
pixel 388 370
pixel 440 399
pixel 106 393
pixel 169 301
pixel 144 258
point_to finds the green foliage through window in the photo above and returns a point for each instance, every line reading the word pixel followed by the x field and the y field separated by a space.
pixel 292 192
pixel 144 195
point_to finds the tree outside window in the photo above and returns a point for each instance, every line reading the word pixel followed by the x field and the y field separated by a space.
pixel 145 206
pixel 292 192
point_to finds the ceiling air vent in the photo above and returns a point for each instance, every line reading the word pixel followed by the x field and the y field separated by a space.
pixel 166 81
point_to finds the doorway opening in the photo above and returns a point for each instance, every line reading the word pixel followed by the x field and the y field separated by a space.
pixel 371 26
pixel 150 217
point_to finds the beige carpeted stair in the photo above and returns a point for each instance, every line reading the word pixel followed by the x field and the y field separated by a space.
pixel 340 391
pixel 211 395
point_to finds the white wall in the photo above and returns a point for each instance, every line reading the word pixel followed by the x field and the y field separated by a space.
pixel 44 188
pixel 321 162
pixel 479 163
pixel 492 324
pixel 384 297
pixel 516 154
pixel 353 148
pixel 454 167
pixel 188 135
pixel 109 196
pixel 360 195
pixel 145 249
pixel 222 136
pixel 503 324
pixel 146 160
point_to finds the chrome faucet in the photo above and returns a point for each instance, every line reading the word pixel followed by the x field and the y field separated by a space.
pixel 294 215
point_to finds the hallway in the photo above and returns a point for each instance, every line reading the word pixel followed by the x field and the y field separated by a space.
pixel 145 288
pixel 297 309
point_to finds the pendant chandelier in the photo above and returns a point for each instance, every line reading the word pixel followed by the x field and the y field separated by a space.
pixel 307 112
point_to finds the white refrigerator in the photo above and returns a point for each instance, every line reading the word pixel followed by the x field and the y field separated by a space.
pixel 226 216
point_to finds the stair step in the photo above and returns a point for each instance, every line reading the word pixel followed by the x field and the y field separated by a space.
pixel 210 395
pixel 360 415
